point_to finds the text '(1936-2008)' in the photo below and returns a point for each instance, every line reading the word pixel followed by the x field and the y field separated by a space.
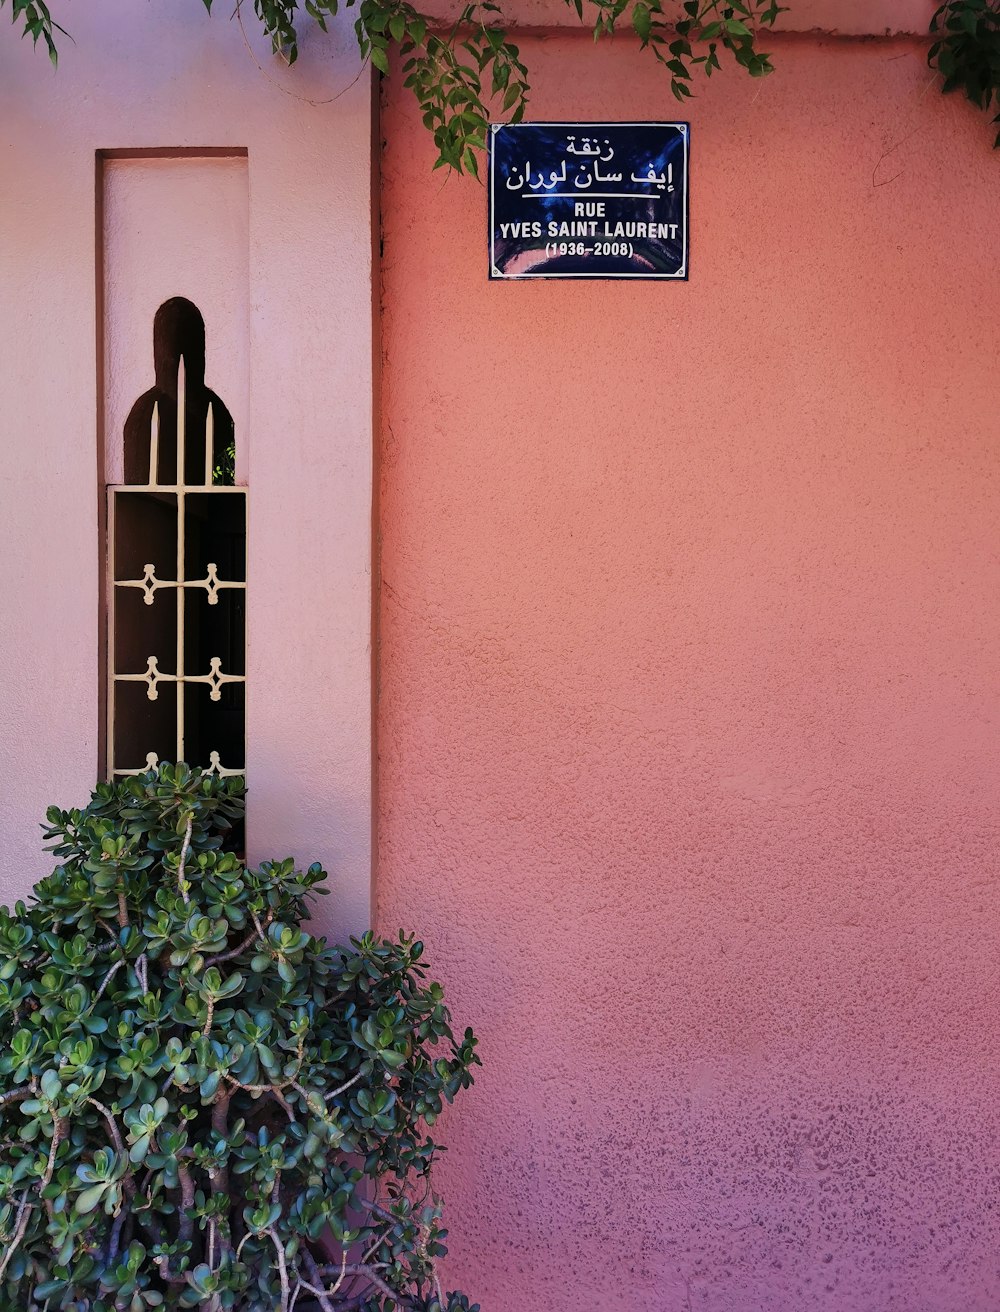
pixel 589 200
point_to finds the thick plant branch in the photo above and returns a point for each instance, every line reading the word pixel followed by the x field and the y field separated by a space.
pixel 185 849
pixel 24 1212
pixel 367 1272
pixel 107 980
pixel 116 1135
pixel 255 935
pixel 279 1249
pixel 342 1088
pixel 123 920
pixel 186 1227
pixel 23 1217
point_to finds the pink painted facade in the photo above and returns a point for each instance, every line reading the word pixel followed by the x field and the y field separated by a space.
pixel 690 682
pixel 687 642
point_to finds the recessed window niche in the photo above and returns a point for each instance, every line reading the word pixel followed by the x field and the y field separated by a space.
pixel 177 558
pixel 174 256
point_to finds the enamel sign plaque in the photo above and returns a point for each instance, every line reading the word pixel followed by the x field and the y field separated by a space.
pixel 589 200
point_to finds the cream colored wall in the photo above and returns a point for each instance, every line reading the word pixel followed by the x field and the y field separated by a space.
pixel 168 76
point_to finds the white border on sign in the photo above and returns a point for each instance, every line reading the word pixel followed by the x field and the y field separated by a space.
pixel 495 275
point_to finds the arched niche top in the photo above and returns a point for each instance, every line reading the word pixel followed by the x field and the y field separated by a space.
pixel 179 371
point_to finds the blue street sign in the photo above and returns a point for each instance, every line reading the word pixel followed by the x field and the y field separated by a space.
pixel 589 200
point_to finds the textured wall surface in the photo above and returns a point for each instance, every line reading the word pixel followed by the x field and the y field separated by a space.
pixel 845 17
pixel 690 682
pixel 162 76
pixel 156 205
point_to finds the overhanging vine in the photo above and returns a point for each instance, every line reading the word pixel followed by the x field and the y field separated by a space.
pixel 462 74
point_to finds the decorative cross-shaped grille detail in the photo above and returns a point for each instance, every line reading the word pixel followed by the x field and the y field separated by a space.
pixel 215 678
pixel 149 584
pixel 152 677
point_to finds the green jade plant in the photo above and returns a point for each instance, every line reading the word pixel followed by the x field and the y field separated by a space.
pixel 202 1104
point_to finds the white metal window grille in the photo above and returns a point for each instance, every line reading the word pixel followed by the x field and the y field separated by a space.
pixel 177 571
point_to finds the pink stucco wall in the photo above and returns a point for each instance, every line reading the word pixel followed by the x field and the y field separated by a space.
pixel 844 17
pixel 690 686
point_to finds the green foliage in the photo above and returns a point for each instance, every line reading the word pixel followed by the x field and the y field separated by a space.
pixel 471 72
pixel 696 39
pixel 202 1105
pixel 464 75
pixel 966 51
pixel 36 22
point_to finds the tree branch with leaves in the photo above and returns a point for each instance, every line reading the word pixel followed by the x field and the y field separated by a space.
pixel 464 73
pixel 470 70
